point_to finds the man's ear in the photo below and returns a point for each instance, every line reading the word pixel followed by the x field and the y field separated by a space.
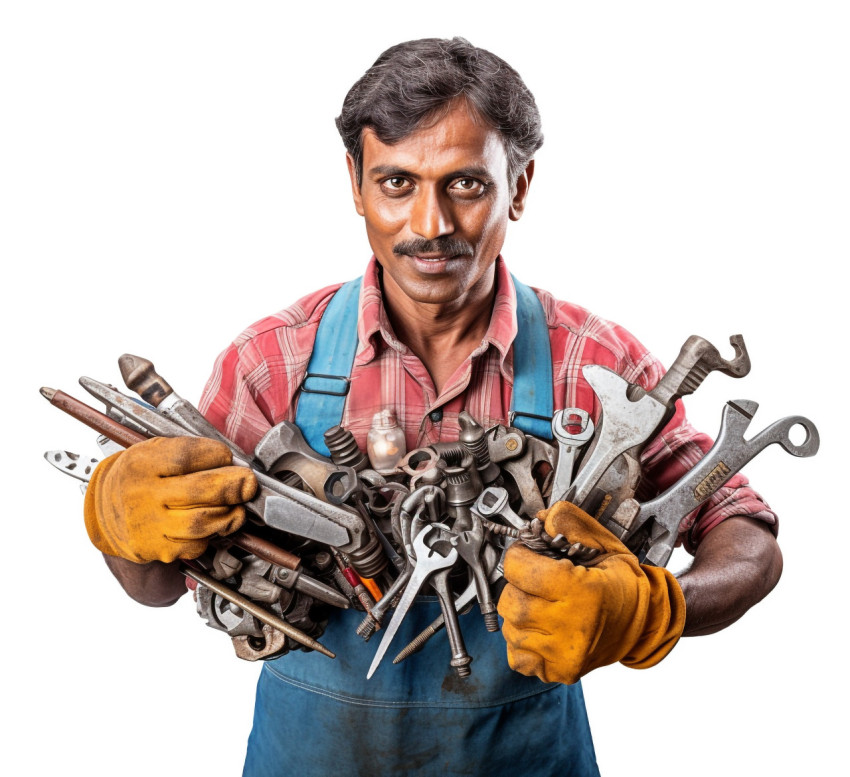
pixel 355 187
pixel 522 185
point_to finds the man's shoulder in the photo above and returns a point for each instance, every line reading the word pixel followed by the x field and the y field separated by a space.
pixel 305 312
pixel 599 339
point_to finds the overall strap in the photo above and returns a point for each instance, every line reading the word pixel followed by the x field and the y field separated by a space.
pixel 327 381
pixel 532 405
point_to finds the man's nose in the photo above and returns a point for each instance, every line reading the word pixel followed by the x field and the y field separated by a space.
pixel 431 215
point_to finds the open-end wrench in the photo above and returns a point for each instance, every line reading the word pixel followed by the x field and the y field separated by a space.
pixel 493 502
pixel 428 561
pixel 727 456
pixel 568 447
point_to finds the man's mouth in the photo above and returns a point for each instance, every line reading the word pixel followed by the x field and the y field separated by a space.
pixel 433 257
pixel 432 263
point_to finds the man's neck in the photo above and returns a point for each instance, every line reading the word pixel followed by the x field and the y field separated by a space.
pixel 442 335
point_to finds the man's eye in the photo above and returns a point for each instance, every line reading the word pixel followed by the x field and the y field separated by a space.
pixel 467 186
pixel 395 184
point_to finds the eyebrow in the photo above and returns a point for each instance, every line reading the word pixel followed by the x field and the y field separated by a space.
pixel 464 172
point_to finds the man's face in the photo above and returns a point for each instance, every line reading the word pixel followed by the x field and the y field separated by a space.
pixel 437 204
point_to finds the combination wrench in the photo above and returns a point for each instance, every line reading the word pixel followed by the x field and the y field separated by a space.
pixel 663 514
pixel 568 447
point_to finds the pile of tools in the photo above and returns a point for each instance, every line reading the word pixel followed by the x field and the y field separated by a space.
pixel 328 532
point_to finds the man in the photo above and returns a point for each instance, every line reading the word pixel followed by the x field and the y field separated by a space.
pixel 440 139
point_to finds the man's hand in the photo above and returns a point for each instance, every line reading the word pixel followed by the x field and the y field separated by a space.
pixel 563 620
pixel 162 499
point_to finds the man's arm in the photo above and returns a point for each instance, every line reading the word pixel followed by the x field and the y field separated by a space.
pixel 155 584
pixel 736 565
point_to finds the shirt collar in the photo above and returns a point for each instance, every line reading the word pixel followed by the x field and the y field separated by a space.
pixel 373 323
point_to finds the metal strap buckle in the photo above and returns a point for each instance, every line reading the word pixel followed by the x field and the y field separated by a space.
pixel 307 390
pixel 514 413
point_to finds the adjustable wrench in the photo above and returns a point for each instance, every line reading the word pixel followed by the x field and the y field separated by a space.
pixel 727 456
pixel 568 446
pixel 625 423
pixel 630 415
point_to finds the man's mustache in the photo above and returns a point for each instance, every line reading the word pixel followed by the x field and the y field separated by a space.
pixel 446 246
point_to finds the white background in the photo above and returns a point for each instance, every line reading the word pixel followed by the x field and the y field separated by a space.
pixel 171 173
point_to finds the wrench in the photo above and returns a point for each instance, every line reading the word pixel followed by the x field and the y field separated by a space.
pixel 630 414
pixel 727 456
pixel 428 561
pixel 568 446
pixel 625 423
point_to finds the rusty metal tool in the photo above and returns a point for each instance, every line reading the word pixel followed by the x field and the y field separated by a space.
pixel 140 376
pixel 428 561
pixel 495 573
pixel 254 609
pixel 727 456
pixel 569 444
pixel 74 465
pixel 469 544
pixel 276 504
pixel 630 415
pixel 460 660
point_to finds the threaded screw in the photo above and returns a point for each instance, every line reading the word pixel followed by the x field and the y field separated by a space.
pixel 343 448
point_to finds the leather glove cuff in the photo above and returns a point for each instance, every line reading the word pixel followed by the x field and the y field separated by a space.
pixel 665 620
pixel 91 513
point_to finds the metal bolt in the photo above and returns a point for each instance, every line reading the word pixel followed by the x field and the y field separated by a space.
pixel 511 444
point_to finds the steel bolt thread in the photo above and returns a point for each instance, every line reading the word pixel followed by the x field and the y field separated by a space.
pixel 343 448
pixel 473 438
pixel 491 621
pixel 498 528
pixel 367 628
pixel 415 645
pixel 461 665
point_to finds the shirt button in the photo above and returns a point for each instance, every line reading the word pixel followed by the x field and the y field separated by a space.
pixel 436 415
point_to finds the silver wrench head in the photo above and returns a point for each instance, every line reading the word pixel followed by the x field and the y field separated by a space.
pixel 564 419
pixel 780 431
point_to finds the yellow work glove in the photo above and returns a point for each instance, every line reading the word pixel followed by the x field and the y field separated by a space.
pixel 562 620
pixel 163 499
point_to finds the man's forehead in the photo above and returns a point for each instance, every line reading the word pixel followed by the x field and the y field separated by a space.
pixel 458 139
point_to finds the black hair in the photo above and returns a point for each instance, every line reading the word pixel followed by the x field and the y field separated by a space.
pixel 415 81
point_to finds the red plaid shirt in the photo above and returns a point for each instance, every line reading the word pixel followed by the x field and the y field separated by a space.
pixel 255 383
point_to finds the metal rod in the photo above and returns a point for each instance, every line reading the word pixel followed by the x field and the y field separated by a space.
pixel 252 609
pixel 98 421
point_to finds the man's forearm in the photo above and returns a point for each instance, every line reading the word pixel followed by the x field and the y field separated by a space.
pixel 155 584
pixel 737 564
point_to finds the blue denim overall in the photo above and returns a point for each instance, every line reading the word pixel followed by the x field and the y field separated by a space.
pixel 317 716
